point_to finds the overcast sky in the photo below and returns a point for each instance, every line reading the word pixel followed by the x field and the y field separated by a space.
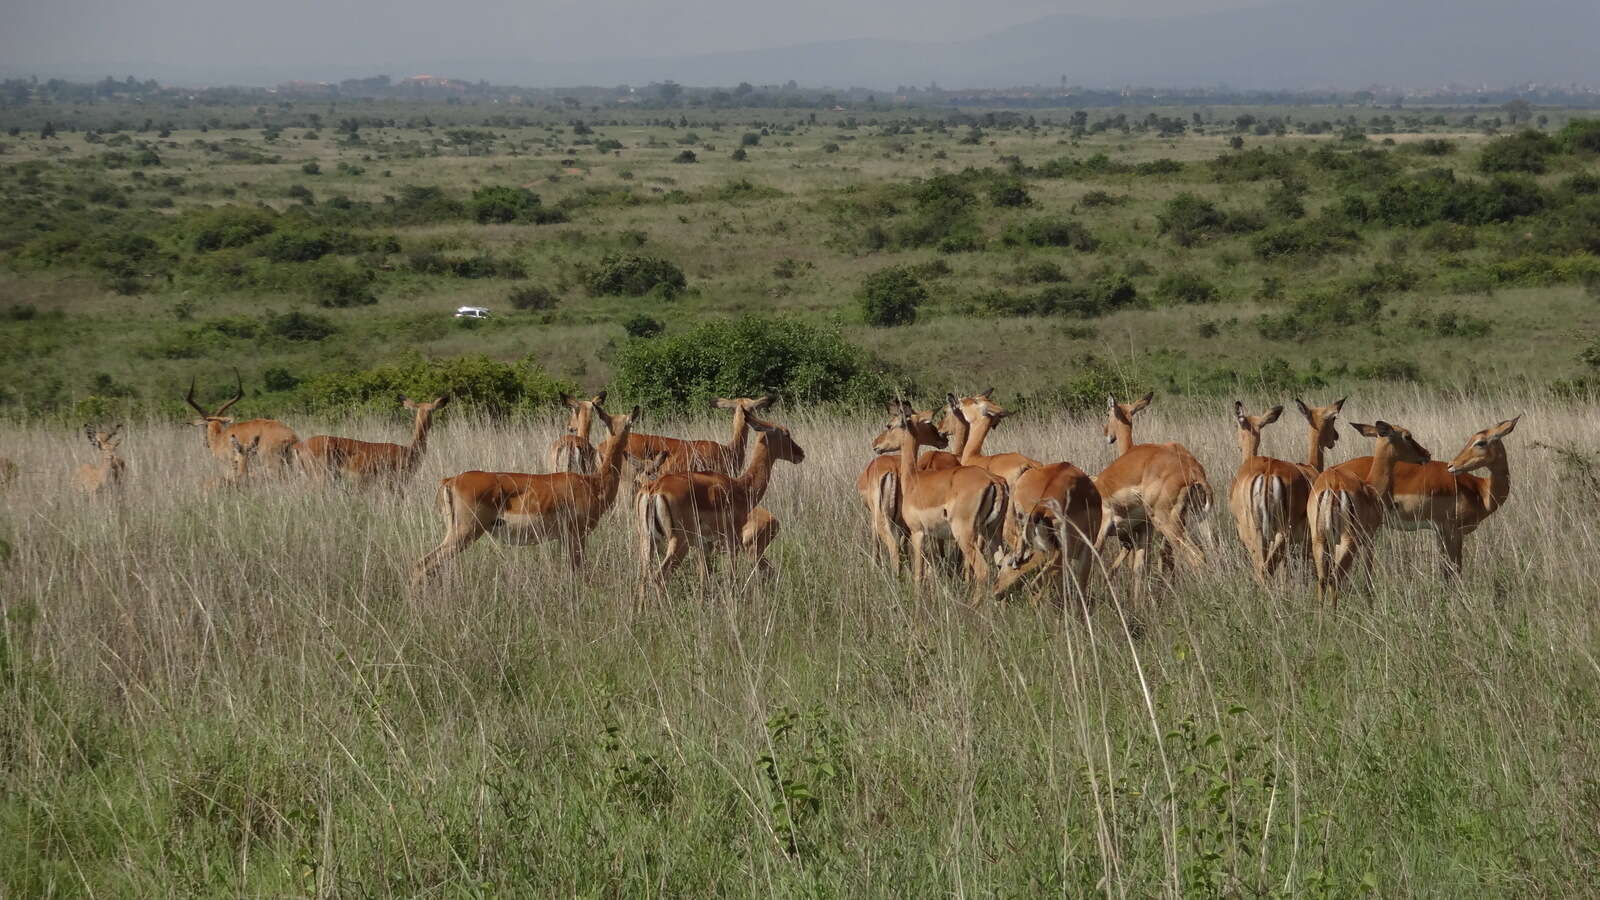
pixel 376 33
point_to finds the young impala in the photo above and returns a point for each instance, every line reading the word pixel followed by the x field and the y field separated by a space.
pixel 1445 499
pixel 1269 496
pixel 240 458
pixel 1346 511
pixel 1058 510
pixel 964 504
pixel 1159 486
pixel 367 462
pixel 572 452
pixel 528 509
pixel 985 415
pixel 680 511
pixel 277 439
pixel 879 485
pixel 106 475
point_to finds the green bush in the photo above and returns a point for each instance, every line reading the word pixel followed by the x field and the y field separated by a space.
pixel 1190 220
pixel 1186 287
pixel 502 205
pixel 311 167
pixel 891 296
pixel 1305 240
pixel 335 284
pixel 796 362
pixel 296 246
pixel 1009 192
pixel 1528 151
pixel 686 156
pixel 533 296
pixel 227 226
pixel 643 326
pixel 1050 232
pixel 423 204
pixel 299 326
pixel 476 382
pixel 1436 196
pixel 634 275
pixel 1580 136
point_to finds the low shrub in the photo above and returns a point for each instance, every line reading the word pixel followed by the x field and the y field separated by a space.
pixel 335 284
pixel 300 326
pixel 1307 240
pixel 798 363
pixel 1186 287
pixel 533 296
pixel 1528 151
pixel 891 296
pixel 634 275
pixel 1050 232
pixel 487 386
pixel 643 326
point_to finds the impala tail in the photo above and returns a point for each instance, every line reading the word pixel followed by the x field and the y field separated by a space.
pixel 888 499
pixel 1269 503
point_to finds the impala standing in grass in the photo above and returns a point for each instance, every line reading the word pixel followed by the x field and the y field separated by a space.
pixel 367 462
pixel 277 440
pixel 1347 510
pixel 1149 486
pixel 106 476
pixel 572 452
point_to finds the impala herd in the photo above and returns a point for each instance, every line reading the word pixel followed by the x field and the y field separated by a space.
pixel 1010 518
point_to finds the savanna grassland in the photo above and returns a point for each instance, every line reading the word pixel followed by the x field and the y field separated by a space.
pixel 233 691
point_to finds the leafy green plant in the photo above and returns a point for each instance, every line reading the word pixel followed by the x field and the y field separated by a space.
pixel 891 297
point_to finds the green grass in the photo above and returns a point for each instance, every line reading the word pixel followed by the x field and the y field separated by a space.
pixel 802 215
pixel 234 693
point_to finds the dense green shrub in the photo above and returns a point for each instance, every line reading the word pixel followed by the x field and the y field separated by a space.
pixel 1580 136
pixel 634 275
pixel 1186 287
pixel 296 246
pixel 1306 240
pixel 1190 220
pixel 749 357
pixel 533 296
pixel 1528 151
pixel 686 156
pixel 1430 147
pixel 1105 293
pixel 1255 164
pixel 1436 196
pixel 1009 192
pixel 1050 232
pixel 1095 199
pixel 891 297
pixel 943 216
pixel 300 326
pixel 643 326
pixel 227 226
pixel 335 284
pixel 1317 313
pixel 476 382
pixel 1041 271
pixel 423 204
pixel 503 205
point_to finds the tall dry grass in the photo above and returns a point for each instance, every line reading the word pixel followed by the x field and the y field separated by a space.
pixel 233 692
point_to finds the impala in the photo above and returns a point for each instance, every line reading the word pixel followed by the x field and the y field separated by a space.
pixel 1058 511
pixel 879 487
pixel 985 414
pixel 1346 510
pixel 759 530
pixel 964 504
pixel 1445 498
pixel 366 462
pixel 572 452
pixel 702 456
pixel 277 439
pixel 680 511
pixel 105 476
pixel 240 457
pixel 528 509
pixel 1268 497
pixel 1160 486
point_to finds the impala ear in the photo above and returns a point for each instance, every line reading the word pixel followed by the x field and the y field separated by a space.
pixel 442 402
pixel 1304 409
pixel 1111 403
pixel 987 393
pixel 633 415
pixel 1272 415
pixel 764 402
pixel 88 432
pixel 1504 428
pixel 599 398
pixel 724 403
pixel 1336 406
pixel 407 402
pixel 1238 412
pixel 892 408
pixel 1142 403
pixel 1366 430
pixel 951 401
pixel 566 399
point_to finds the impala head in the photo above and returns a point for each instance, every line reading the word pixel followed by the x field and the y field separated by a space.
pixel 1322 419
pixel 1120 415
pixel 747 404
pixel 242 453
pixel 780 443
pixel 982 405
pixel 617 424
pixel 104 441
pixel 426 407
pixel 903 418
pixel 1254 424
pixel 580 409
pixel 649 470
pixel 1406 448
pixel 215 421
pixel 1483 449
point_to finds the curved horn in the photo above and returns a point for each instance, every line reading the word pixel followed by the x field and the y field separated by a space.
pixel 237 396
pixel 189 399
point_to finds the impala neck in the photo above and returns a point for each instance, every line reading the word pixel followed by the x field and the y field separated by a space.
pixel 1314 455
pixel 741 433
pixel 419 431
pixel 1381 475
pixel 1499 482
pixel 758 474
pixel 214 431
pixel 1249 443
pixel 960 433
pixel 972 446
pixel 908 458
pixel 611 453
pixel 1123 432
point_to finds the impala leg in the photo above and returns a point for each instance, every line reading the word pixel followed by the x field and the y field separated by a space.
pixel 1450 548
pixel 888 536
pixel 919 560
pixel 452 546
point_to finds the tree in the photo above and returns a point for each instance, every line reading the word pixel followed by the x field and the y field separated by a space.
pixel 891 297
pixel 1518 110
pixel 669 91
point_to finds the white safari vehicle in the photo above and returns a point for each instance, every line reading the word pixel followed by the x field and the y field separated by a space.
pixel 472 312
